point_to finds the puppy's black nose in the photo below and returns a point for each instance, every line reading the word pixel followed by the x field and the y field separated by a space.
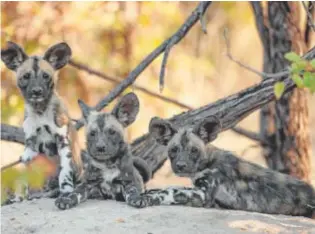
pixel 181 166
pixel 100 149
pixel 37 91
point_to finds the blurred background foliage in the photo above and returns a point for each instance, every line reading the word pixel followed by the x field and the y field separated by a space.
pixel 113 37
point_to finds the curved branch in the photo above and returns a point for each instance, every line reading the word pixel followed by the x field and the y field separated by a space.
pixel 182 31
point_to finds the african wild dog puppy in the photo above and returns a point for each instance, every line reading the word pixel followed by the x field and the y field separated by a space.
pixel 221 178
pixel 112 171
pixel 46 122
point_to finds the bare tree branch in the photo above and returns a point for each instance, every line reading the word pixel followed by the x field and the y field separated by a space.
pixel 163 66
pixel 262 74
pixel 183 30
pixel 251 135
pixel 197 14
pixel 248 148
pixel 11 165
pixel 89 70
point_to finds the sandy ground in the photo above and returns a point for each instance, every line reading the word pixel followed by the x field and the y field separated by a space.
pixel 112 217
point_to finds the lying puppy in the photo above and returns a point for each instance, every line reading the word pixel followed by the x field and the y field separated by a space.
pixel 112 172
pixel 220 178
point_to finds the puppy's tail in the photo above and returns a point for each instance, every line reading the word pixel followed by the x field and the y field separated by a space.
pixel 143 168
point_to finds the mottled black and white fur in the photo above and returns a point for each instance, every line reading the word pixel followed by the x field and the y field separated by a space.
pixel 220 178
pixel 45 122
pixel 112 171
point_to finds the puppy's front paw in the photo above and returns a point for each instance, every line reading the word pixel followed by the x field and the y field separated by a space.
pixel 66 201
pixel 139 201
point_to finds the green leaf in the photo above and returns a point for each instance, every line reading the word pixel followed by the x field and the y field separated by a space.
pixel 279 89
pixel 301 64
pixel 295 68
pixel 298 80
pixel 312 62
pixel 307 79
pixel 292 57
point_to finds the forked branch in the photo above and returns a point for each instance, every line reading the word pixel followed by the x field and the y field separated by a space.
pixel 181 33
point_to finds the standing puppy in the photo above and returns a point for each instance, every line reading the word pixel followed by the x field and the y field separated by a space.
pixel 221 178
pixel 46 125
pixel 112 171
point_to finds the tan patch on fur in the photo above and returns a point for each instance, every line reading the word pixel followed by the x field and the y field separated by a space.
pixel 247 169
pixel 241 185
pixel 196 141
pixel 25 67
pixel 45 66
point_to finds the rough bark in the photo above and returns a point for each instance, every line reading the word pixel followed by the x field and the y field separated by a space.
pixel 229 110
pixel 284 123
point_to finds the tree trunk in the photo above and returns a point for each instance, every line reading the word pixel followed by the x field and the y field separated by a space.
pixel 284 124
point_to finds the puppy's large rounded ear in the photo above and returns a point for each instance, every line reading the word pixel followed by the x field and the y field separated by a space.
pixel 85 109
pixel 58 55
pixel 208 129
pixel 13 56
pixel 126 110
pixel 161 130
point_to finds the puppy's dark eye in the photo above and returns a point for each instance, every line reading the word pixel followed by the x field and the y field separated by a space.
pixel 194 150
pixel 45 76
pixel 92 133
pixel 173 152
pixel 174 149
pixel 111 131
pixel 26 76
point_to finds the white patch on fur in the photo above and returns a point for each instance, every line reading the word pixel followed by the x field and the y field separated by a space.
pixel 65 170
pixel 109 174
pixel 28 154
pixel 33 121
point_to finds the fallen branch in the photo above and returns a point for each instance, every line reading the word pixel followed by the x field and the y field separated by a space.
pixel 229 110
pixel 182 31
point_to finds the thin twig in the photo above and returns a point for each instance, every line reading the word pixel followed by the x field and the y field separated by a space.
pixel 249 134
pixel 248 148
pixel 183 30
pixel 11 165
pixel 203 23
pixel 309 16
pixel 262 74
pixel 177 37
pixel 163 66
pixel 89 70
